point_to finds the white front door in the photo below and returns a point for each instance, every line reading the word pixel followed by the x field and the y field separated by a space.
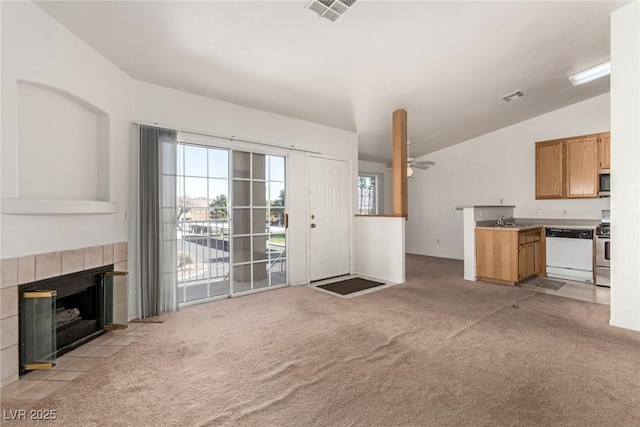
pixel 329 218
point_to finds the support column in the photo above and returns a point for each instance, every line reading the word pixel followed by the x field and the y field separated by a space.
pixel 399 156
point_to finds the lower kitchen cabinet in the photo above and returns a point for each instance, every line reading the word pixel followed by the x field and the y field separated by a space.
pixel 508 255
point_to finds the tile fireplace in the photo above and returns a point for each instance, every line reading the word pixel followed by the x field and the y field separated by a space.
pixel 72 285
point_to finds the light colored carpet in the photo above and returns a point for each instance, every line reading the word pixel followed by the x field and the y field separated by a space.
pixel 436 351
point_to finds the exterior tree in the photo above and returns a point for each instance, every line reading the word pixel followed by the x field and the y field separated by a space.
pixel 218 207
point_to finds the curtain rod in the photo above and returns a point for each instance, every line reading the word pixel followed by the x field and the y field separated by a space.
pixel 228 137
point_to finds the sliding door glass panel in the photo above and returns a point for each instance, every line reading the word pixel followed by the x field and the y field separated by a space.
pixel 242 221
pixel 203 222
pixel 260 221
pixel 241 193
pixel 242 278
pixel 241 249
pixel 276 220
pixel 259 248
pixel 258 166
pixel 241 164
pixel 260 275
pixel 258 260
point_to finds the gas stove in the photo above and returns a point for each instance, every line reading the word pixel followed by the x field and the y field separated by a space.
pixel 603 251
pixel 603 230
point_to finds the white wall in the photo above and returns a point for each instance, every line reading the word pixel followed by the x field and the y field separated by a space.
pixel 38 49
pixel 387 189
pixel 495 166
pixel 35 48
pixel 380 242
pixel 625 159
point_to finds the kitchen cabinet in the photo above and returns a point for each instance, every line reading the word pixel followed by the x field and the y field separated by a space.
pixel 507 255
pixel 549 170
pixel 568 168
pixel 604 152
pixel 582 167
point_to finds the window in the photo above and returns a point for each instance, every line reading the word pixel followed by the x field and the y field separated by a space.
pixel 368 194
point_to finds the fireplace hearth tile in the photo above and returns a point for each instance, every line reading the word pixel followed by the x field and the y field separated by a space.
pixel 65 362
pixel 38 375
pixel 104 339
pixel 10 359
pixel 48 265
pixel 65 376
pixel 18 387
pixel 42 390
pixel 26 269
pixel 125 340
pixel 9 270
pixel 9 302
pixel 107 350
pixel 72 261
pixel 9 332
pixel 84 365
pixel 93 257
pixel 84 350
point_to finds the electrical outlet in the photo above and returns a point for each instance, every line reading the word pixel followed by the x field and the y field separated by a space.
pixel 565 212
pixel 126 215
pixel 536 212
pixel 501 201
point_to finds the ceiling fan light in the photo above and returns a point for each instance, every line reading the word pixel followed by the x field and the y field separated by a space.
pixel 591 74
pixel 409 171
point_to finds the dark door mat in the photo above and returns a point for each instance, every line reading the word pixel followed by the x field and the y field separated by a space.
pixel 349 286
pixel 543 282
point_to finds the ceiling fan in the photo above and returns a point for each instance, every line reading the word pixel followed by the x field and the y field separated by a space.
pixel 413 163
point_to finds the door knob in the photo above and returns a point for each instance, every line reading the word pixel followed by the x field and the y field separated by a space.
pixel 313 226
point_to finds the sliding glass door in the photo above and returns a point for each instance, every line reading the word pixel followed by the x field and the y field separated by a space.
pixel 203 222
pixel 259 221
pixel 231 225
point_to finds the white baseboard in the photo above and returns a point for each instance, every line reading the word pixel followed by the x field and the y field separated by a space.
pixel 624 325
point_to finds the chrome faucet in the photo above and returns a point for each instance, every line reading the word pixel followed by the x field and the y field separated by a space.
pixel 500 222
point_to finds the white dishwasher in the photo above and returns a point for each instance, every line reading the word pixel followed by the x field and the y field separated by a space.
pixel 570 254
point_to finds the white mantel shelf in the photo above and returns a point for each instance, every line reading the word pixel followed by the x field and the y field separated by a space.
pixel 20 206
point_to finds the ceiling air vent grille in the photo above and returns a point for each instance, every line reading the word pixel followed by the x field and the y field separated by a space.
pixel 514 95
pixel 330 9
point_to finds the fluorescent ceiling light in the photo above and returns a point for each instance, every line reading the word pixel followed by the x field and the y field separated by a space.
pixel 591 74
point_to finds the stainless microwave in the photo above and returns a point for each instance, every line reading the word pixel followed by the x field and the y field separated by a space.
pixel 604 185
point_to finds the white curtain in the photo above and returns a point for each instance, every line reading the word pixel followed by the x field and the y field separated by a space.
pixel 157 218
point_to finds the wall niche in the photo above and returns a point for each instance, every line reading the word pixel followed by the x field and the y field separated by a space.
pixel 62 147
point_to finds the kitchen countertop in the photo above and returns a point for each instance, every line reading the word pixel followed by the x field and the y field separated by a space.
pixel 510 228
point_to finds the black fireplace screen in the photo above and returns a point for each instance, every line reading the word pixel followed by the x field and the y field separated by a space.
pixel 62 313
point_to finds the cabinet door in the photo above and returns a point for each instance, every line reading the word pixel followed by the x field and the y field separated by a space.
pixel 526 261
pixel 537 255
pixel 582 167
pixel 604 152
pixel 496 255
pixel 549 170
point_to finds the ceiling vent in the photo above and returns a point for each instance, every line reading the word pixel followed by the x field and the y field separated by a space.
pixel 514 95
pixel 330 9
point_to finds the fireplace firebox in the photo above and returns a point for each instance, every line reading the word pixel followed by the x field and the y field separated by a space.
pixel 59 314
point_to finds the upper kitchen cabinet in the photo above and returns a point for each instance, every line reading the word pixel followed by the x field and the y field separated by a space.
pixel 582 167
pixel 568 168
pixel 604 152
pixel 549 170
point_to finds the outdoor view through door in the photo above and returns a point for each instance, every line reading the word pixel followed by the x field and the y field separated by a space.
pixel 231 222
